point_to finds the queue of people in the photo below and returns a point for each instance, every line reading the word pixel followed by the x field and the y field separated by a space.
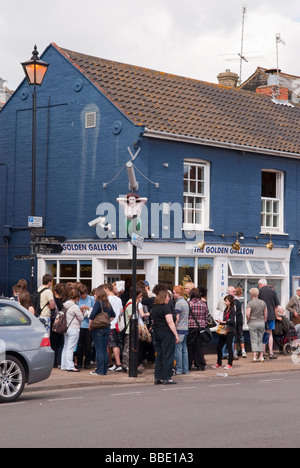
pixel 171 325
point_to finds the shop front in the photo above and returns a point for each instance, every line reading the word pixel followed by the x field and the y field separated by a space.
pixel 170 263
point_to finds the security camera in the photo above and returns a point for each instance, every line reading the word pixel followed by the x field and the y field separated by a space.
pixel 97 221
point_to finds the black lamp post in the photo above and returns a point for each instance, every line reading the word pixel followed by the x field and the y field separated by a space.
pixel 35 70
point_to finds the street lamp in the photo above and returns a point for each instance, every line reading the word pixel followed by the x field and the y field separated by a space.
pixel 35 70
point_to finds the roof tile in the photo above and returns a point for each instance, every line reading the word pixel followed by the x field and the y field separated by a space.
pixel 185 106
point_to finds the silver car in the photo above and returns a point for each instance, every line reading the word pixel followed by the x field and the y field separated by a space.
pixel 26 356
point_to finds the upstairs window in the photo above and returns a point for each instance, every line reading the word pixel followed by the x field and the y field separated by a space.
pixel 272 203
pixel 196 195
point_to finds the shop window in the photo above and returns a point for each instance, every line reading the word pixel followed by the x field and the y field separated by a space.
pixel 166 271
pixel 205 265
pixel 124 265
pixel 238 267
pixel 186 270
pixel 196 195
pixel 258 267
pixel 272 201
pixel 68 270
pixel 112 264
pixel 65 271
pixel 276 268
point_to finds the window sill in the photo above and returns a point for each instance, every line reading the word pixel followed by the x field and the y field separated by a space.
pixel 273 233
pixel 195 228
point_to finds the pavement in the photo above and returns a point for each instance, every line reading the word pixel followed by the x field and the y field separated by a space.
pixel 64 380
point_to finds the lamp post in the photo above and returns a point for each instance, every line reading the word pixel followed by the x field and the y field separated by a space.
pixel 35 70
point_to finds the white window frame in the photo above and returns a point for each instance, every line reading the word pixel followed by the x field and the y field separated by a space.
pixel 271 201
pixel 204 225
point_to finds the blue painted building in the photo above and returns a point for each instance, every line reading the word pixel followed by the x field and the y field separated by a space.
pixel 217 164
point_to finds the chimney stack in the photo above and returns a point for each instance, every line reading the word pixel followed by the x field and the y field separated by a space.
pixel 273 88
pixel 228 78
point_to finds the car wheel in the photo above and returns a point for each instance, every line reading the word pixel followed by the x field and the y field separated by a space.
pixel 12 379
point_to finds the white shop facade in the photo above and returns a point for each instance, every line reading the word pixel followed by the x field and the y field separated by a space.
pixel 171 263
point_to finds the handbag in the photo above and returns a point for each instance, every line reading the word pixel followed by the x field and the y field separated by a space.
pixel 102 320
pixel 205 333
pixel 211 322
pixel 144 334
pixel 222 329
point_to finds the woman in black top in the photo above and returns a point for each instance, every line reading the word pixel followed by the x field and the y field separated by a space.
pixel 100 337
pixel 165 338
pixel 229 321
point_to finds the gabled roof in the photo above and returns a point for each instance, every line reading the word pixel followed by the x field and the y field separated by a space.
pixel 175 105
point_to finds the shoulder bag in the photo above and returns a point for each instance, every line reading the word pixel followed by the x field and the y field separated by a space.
pixel 102 320
pixel 205 333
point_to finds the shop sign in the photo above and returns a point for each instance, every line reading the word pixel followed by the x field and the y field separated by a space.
pixel 224 250
pixel 85 247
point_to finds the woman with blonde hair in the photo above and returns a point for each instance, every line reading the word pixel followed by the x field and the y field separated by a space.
pixel 187 290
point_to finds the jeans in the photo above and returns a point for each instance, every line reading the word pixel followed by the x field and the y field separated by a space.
pixel 100 338
pixel 71 340
pixel 165 349
pixel 181 356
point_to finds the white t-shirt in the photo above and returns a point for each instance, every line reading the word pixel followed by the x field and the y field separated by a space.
pixel 117 306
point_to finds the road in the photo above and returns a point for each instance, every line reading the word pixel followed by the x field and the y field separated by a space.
pixel 245 411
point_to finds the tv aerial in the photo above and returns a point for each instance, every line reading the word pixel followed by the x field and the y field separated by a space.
pixel 242 56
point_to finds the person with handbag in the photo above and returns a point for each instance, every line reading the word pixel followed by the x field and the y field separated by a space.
pixel 100 318
pixel 226 332
pixel 198 318
pixel 74 318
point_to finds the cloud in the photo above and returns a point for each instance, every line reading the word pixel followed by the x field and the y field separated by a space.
pixel 185 38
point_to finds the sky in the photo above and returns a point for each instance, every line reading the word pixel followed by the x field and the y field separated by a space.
pixel 191 38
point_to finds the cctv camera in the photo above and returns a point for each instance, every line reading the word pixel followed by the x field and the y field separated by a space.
pixel 97 221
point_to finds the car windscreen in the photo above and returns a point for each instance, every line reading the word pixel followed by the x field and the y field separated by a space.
pixel 10 316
